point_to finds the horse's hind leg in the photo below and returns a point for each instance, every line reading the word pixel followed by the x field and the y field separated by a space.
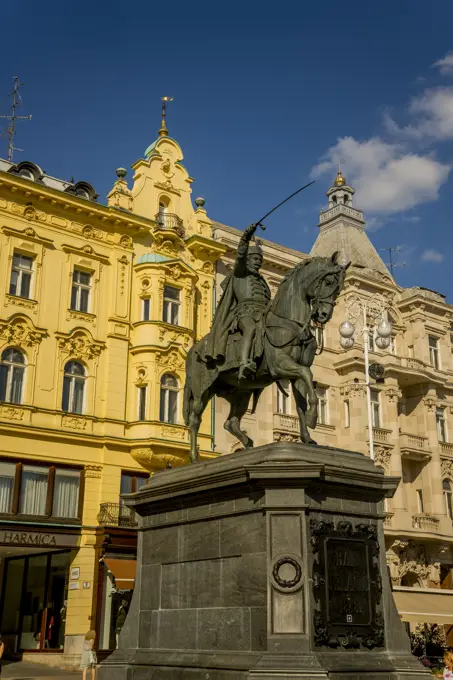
pixel 198 405
pixel 300 397
pixel 238 402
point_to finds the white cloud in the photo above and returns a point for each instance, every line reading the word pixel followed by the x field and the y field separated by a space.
pixel 445 64
pixel 432 255
pixel 386 177
pixel 431 114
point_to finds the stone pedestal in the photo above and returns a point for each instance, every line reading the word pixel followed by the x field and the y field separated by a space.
pixel 261 565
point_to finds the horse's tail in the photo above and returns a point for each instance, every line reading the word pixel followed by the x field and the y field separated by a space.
pixel 188 394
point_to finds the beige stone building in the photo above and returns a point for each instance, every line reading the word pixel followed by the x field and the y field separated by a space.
pixel 412 409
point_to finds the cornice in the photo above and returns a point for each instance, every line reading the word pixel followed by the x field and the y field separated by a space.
pixel 85 251
pixel 28 234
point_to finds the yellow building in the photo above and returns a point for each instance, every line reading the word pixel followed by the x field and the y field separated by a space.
pixel 98 307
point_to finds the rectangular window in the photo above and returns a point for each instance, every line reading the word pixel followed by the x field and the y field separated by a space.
pixel 323 415
pixel 145 309
pixel 66 493
pixel 21 273
pixel 142 402
pixel 371 343
pixel 433 351
pixel 393 344
pixel 33 490
pixel 375 408
pixel 347 414
pixel 81 288
pixel 131 482
pixel 420 505
pixel 7 477
pixel 172 305
pixel 441 425
pixel 283 403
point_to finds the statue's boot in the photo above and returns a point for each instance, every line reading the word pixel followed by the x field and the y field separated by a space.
pixel 246 370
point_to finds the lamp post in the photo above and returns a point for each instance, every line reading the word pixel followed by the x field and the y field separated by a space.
pixel 363 315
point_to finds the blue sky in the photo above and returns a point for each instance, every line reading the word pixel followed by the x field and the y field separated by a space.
pixel 267 95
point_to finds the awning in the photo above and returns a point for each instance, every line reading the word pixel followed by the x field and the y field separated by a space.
pixel 424 607
pixel 123 572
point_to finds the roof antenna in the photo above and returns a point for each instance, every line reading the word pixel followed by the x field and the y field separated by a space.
pixel 390 264
pixel 11 131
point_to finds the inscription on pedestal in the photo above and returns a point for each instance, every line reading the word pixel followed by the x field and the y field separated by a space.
pixel 346 585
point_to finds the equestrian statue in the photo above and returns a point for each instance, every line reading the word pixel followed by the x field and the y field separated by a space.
pixel 255 341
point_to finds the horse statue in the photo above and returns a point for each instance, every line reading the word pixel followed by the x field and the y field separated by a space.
pixel 284 346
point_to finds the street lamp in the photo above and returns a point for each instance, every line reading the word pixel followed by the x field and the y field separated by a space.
pixel 363 315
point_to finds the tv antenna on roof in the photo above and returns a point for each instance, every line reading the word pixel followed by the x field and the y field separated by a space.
pixel 11 130
pixel 391 264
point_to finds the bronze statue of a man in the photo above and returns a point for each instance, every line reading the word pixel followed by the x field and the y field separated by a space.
pixel 245 297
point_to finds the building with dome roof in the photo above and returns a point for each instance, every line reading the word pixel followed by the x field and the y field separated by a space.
pixel 99 305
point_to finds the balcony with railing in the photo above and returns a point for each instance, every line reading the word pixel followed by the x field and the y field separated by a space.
pixel 415 447
pixel 170 222
pixel 117 515
pixel 446 448
pixel 381 435
pixel 425 523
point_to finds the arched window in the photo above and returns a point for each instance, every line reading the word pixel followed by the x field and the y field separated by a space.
pixel 12 370
pixel 169 391
pixel 73 387
pixel 161 217
pixel 448 493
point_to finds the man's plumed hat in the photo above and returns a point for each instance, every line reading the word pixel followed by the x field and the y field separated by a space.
pixel 255 249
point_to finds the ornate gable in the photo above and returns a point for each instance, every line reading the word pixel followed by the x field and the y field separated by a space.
pixel 19 330
pixel 79 344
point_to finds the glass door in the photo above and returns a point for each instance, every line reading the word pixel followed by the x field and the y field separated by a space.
pixel 34 603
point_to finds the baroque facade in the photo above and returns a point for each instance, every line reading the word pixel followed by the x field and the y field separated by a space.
pixel 98 306
pixel 412 408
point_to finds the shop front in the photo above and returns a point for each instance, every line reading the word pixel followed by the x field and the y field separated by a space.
pixel 34 570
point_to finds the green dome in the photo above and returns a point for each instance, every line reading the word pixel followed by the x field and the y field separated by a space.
pixel 152 258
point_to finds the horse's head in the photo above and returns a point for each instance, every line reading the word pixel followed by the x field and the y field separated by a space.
pixel 322 291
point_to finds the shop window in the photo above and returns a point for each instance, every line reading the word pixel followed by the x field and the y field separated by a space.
pixel 375 408
pixel 446 487
pixel 81 289
pixel 441 425
pixel 39 490
pixel 172 305
pixel 35 599
pixel 169 393
pixel 12 371
pixel 7 477
pixel 146 304
pixel 433 351
pixel 323 410
pixel 283 402
pixel 21 276
pixel 142 390
pixel 73 387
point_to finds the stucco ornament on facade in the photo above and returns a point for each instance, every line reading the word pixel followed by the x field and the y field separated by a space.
pixel 74 423
pixel 382 457
pixel 393 394
pixel 94 471
pixel 404 557
pixel 20 331
pixel 353 390
pixel 79 345
pixel 11 412
pixel 446 468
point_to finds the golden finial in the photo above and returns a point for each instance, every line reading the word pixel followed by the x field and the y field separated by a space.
pixel 163 132
pixel 339 179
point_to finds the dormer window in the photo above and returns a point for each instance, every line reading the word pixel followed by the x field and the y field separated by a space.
pixel 26 173
pixel 83 193
pixel 82 190
pixel 27 170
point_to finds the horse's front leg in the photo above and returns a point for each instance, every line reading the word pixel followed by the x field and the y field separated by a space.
pixel 299 391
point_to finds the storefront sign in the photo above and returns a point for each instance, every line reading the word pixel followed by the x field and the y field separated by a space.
pixel 36 539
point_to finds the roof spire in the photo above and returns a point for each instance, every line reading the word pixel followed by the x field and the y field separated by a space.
pixel 339 179
pixel 163 132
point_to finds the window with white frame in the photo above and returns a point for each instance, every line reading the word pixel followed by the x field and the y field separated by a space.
pixel 81 290
pixel 172 305
pixel 347 413
pixel 73 387
pixel 433 351
pixel 142 394
pixel 283 401
pixel 448 495
pixel 21 274
pixel 375 408
pixel 392 347
pixel 146 307
pixel 371 343
pixel 7 480
pixel 323 409
pixel 441 425
pixel 12 373
pixel 169 396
